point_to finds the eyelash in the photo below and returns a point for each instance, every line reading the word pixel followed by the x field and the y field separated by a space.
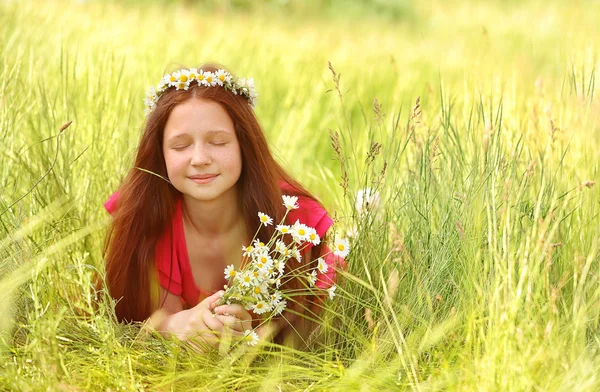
pixel 179 148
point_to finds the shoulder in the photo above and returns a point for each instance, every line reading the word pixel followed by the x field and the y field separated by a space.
pixel 309 212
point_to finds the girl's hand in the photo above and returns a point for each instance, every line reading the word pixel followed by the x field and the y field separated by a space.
pixel 233 316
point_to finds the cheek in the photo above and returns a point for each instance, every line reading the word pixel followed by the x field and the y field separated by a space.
pixel 174 163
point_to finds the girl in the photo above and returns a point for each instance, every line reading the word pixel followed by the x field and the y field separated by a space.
pixel 202 172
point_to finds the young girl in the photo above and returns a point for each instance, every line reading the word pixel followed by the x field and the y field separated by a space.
pixel 202 172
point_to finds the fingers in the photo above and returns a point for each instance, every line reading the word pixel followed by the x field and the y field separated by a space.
pixel 236 310
pixel 212 300
pixel 233 322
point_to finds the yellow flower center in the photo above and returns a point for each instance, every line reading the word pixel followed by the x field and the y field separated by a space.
pixel 257 290
pixel 222 77
pixel 341 247
pixel 263 259
pixel 247 279
pixel 312 236
pixel 173 78
pixel 209 79
pixel 261 243
pixel 200 77
pixel 249 249
pixel 255 274
pixel 301 232
pixel 183 78
pixel 259 305
pixel 232 273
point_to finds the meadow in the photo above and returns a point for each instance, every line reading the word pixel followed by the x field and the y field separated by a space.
pixel 478 124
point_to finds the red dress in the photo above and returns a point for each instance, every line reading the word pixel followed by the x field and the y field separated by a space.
pixel 175 273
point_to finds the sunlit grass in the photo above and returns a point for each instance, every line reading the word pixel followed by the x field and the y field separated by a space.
pixel 480 271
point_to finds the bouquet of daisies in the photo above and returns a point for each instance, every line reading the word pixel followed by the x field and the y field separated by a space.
pixel 257 284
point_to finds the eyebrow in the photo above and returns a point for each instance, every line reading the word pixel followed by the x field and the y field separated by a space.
pixel 209 133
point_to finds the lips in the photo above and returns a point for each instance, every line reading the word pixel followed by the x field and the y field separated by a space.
pixel 203 176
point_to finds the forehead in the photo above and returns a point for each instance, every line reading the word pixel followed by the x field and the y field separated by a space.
pixel 198 117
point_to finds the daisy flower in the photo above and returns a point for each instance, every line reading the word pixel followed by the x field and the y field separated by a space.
pixel 200 77
pixel 260 247
pixel 278 309
pixel 248 250
pixel 222 77
pixel 290 202
pixel 280 247
pixel 171 79
pixel 209 79
pixel 182 85
pixel 247 279
pixel 265 219
pixel 193 74
pixel 299 232
pixel 341 247
pixel 331 291
pixel 313 237
pixel 230 272
pixel 184 76
pixel 283 229
pixel 296 255
pixel 322 266
pixel 250 337
pixel 260 307
pixel 312 277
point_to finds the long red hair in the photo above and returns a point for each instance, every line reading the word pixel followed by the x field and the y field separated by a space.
pixel 147 202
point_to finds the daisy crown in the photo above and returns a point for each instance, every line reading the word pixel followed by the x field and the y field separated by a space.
pixel 183 79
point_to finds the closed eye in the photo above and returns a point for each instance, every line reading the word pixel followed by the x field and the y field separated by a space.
pixel 180 147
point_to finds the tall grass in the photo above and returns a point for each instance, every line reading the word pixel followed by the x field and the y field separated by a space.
pixel 477 123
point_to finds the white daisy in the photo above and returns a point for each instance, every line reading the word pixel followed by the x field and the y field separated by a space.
pixel 230 272
pixel 276 298
pixel 313 237
pixel 299 232
pixel 193 74
pixel 265 219
pixel 209 79
pixel 278 309
pixel 222 77
pixel 247 279
pixel 290 202
pixel 200 78
pixel 312 277
pixel 322 265
pixel 260 307
pixel 171 79
pixel 296 255
pixel 182 85
pixel 260 246
pixel 250 337
pixel 260 290
pixel 341 247
pixel 248 250
pixel 283 229
pixel 280 247
pixel 184 75
pixel 331 291
pixel 366 199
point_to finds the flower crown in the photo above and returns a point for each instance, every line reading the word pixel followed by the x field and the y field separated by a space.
pixel 183 78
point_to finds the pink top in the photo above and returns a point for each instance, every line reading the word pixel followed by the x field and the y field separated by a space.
pixel 172 261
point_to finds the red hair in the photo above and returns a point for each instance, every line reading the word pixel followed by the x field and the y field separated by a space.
pixel 147 202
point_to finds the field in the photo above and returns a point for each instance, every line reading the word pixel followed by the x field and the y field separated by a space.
pixel 478 124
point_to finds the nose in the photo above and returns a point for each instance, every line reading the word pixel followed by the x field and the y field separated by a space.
pixel 200 156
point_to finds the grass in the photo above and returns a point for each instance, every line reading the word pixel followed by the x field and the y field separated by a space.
pixel 480 270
